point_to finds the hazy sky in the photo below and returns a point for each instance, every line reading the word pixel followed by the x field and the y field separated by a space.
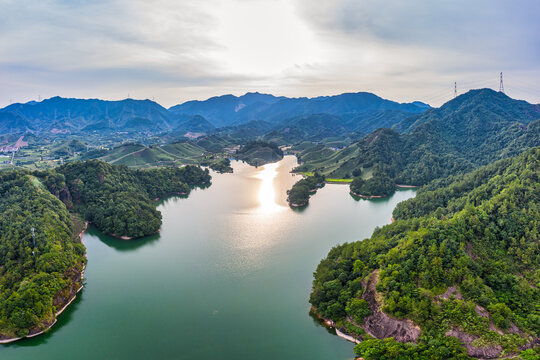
pixel 180 50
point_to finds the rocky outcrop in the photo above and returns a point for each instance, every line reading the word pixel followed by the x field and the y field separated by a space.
pixel 62 193
pixel 488 352
pixel 381 325
pixel 451 292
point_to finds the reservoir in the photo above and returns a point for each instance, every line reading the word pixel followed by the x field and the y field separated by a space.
pixel 228 276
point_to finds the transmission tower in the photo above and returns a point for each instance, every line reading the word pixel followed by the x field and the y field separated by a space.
pixel 455 89
pixel 33 240
pixel 501 85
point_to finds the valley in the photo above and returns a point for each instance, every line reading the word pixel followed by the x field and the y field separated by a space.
pixel 451 273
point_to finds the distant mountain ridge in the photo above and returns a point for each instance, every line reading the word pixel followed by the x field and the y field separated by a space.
pixel 223 110
pixel 361 111
pixel 501 108
pixel 232 110
pixel 474 129
pixel 66 115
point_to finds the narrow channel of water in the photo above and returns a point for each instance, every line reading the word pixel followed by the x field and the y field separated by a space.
pixel 228 277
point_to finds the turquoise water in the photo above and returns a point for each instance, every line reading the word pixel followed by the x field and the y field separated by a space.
pixel 228 277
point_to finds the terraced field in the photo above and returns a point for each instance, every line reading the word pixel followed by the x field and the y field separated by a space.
pixel 139 156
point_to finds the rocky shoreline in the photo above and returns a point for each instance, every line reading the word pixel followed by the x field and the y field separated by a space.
pixel 330 324
pixel 380 325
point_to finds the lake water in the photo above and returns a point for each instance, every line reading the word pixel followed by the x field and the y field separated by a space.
pixel 228 277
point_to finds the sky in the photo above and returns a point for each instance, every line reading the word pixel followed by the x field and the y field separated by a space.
pixel 178 50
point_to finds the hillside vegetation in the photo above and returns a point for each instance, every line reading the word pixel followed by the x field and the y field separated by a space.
pixel 36 279
pixel 462 135
pixel 299 194
pixel 40 274
pixel 140 156
pixel 116 199
pixel 456 275
pixel 257 153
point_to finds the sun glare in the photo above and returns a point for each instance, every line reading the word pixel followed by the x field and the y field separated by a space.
pixel 267 193
pixel 264 37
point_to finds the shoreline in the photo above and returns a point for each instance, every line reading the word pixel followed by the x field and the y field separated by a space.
pixel 297 205
pixel 330 324
pixel 171 194
pixel 57 313
pixel 347 337
pixel 367 196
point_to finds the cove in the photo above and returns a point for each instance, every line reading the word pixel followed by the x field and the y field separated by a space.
pixel 228 276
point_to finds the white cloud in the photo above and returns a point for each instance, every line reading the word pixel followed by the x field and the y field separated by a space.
pixel 179 50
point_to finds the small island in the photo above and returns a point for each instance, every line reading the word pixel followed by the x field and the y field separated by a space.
pixel 378 186
pixel 221 165
pixel 258 153
pixel 298 195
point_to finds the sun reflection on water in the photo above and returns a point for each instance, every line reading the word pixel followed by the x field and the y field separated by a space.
pixel 267 193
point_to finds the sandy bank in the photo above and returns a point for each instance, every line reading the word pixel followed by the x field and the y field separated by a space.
pixel 367 196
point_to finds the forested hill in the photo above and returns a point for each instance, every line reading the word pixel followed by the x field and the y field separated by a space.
pixel 116 199
pixel 40 276
pixel 63 115
pixel 224 110
pixel 446 196
pixel 57 116
pixel 482 107
pixel 257 153
pixel 361 108
pixel 36 278
pixel 453 279
pixel 472 130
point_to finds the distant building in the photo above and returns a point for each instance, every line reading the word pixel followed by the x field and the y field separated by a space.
pixel 8 149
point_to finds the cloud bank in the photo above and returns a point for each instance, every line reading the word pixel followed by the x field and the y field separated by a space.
pixel 175 51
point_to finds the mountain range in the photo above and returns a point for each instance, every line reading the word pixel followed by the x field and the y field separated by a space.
pixel 473 129
pixel 353 107
pixel 355 111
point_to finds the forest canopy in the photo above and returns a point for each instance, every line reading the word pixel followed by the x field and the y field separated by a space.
pixel 299 194
pixel 36 272
pixel 41 256
pixel 461 260
pixel 119 200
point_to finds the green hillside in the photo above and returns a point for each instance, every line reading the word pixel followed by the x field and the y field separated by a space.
pixel 36 278
pixel 464 136
pixel 140 156
pixel 456 274
pixel 41 256
pixel 258 153
pixel 116 199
